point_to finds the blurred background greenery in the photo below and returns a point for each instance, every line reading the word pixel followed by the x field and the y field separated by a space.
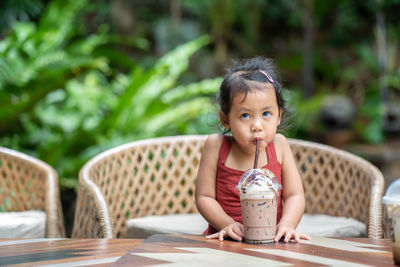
pixel 78 77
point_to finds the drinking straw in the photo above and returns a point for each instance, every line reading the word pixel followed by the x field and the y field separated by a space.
pixel 257 152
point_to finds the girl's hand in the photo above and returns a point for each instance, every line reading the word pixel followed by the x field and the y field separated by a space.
pixel 234 230
pixel 288 233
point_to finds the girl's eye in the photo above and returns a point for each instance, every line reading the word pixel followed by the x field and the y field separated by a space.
pixel 266 114
pixel 245 116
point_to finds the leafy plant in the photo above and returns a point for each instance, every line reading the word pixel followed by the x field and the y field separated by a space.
pixel 303 113
pixel 37 59
pixel 92 114
pixel 60 99
pixel 21 10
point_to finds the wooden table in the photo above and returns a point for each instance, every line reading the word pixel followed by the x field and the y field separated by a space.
pixel 181 250
pixel 175 250
pixel 63 252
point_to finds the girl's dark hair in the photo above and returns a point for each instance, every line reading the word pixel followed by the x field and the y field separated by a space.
pixel 241 73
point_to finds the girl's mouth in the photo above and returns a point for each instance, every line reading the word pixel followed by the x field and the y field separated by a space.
pixel 255 140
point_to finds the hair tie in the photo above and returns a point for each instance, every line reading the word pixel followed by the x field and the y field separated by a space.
pixel 268 76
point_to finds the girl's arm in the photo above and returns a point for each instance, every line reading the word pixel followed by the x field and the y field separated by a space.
pixel 292 193
pixel 205 192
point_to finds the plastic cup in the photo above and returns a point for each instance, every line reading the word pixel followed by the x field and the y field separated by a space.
pixel 258 190
pixel 391 202
pixel 259 216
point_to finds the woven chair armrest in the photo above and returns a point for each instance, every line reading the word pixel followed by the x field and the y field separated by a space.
pixel 375 229
pixel 54 214
pixel 375 226
pixel 92 218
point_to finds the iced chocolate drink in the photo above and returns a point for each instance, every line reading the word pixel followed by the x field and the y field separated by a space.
pixel 258 189
pixel 391 206
pixel 393 212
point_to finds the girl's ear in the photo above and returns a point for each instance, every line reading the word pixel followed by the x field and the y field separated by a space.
pixel 223 119
pixel 280 117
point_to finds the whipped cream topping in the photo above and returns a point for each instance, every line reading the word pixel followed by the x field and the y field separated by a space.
pixel 255 180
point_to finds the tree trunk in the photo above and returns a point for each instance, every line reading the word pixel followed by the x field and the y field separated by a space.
pixel 382 51
pixel 308 79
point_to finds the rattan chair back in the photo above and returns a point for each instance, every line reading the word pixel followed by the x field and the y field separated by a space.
pixel 157 176
pixel 339 183
pixel 27 183
pixel 148 177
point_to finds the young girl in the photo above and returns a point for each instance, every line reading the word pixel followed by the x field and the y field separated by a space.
pixel 252 106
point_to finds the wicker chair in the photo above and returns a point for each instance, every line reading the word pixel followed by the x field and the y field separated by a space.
pixel 157 176
pixel 27 183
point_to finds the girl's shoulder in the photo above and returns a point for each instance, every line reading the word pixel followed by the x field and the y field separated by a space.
pixel 281 146
pixel 214 139
pixel 280 140
pixel 213 142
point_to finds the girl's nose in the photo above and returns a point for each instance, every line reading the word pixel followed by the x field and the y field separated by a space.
pixel 256 126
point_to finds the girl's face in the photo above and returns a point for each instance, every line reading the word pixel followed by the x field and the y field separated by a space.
pixel 255 117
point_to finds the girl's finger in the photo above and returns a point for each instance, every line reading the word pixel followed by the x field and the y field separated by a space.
pixel 297 237
pixel 278 236
pixel 212 236
pixel 304 236
pixel 239 230
pixel 241 227
pixel 288 236
pixel 234 235
pixel 221 235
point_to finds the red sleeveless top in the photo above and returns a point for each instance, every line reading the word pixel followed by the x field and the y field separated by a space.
pixel 227 178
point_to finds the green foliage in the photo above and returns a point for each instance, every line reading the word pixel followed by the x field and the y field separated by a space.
pixel 303 113
pixel 36 59
pixel 393 65
pixel 61 102
pixel 18 10
pixel 71 88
